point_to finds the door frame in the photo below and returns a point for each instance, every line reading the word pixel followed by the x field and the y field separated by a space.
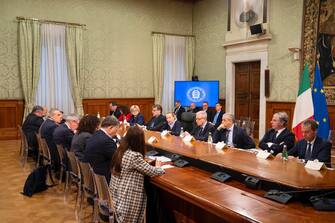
pixel 247 53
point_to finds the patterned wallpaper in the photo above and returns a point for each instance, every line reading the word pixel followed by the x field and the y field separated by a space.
pixel 210 25
pixel 286 29
pixel 118 45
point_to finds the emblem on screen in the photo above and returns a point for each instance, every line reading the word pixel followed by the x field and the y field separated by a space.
pixel 196 94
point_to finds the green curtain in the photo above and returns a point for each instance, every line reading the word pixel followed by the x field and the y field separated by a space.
pixel 29 50
pixel 158 66
pixel 74 49
pixel 189 56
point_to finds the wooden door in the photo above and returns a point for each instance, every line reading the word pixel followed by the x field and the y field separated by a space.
pixel 247 85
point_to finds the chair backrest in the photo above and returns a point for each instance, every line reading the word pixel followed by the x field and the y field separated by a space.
pixel 87 177
pixel 249 127
pixel 102 190
pixel 45 151
pixel 62 155
pixel 74 166
pixel 187 121
pixel 23 137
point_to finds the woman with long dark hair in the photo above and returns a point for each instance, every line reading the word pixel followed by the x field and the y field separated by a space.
pixel 128 171
pixel 87 127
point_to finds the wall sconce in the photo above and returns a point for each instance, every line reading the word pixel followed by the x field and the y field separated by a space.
pixel 296 52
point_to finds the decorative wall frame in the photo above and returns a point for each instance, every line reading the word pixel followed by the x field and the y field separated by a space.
pixel 319 42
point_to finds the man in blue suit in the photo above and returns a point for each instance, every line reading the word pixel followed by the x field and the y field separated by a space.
pixel 47 129
pixel 101 147
pixel 64 133
pixel 274 140
pixel 231 134
pixel 158 120
pixel 217 117
pixel 203 128
pixel 172 125
pixel 311 147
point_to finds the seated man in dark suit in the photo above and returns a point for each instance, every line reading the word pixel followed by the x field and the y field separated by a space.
pixel 101 147
pixel 231 134
pixel 274 140
pixel 193 108
pixel 217 117
pixel 30 127
pixel 136 117
pixel 64 133
pixel 47 129
pixel 207 110
pixel 158 120
pixel 178 110
pixel 114 110
pixel 172 125
pixel 203 128
pixel 312 146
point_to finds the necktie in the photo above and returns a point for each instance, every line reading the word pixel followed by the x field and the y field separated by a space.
pixel 227 136
pixel 200 131
pixel 308 154
pixel 274 136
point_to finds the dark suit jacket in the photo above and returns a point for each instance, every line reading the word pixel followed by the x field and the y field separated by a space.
pixel 240 138
pixel 203 135
pixel 30 127
pixel 117 113
pixel 158 123
pixel 210 114
pixel 99 152
pixel 320 151
pixel 139 119
pixel 195 110
pixel 178 112
pixel 286 137
pixel 218 120
pixel 47 129
pixel 63 136
pixel 78 145
pixel 175 130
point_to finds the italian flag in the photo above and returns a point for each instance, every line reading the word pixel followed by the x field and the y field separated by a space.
pixel 303 106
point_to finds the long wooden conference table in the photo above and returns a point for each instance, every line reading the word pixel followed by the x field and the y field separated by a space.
pixel 192 196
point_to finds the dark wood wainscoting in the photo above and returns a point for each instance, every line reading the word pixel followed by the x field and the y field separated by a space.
pixel 11 113
pixel 288 107
pixel 101 105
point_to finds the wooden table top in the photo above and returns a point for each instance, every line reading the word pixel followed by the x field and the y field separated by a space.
pixel 233 204
pixel 290 173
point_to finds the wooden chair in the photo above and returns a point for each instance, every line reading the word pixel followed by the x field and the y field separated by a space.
pixel 63 163
pixel 88 190
pixel 73 176
pixel 104 201
pixel 24 147
pixel 40 151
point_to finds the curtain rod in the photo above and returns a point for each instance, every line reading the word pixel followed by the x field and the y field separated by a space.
pixel 49 21
pixel 172 34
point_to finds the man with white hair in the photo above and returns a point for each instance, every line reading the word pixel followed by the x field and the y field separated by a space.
pixel 47 129
pixel 231 134
pixel 203 128
pixel 64 133
pixel 274 140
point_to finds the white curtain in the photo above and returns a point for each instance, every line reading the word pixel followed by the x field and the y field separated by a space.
pixel 174 68
pixel 158 65
pixel 189 56
pixel 54 88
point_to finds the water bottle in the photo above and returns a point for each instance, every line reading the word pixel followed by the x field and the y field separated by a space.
pixel 210 139
pixel 98 115
pixel 181 132
pixel 284 153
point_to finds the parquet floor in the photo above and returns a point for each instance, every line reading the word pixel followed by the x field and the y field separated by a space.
pixel 47 206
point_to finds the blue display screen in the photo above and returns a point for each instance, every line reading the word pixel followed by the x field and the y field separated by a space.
pixel 196 91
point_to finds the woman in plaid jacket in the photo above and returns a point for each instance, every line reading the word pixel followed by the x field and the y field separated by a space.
pixel 128 171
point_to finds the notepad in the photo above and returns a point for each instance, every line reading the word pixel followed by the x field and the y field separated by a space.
pixel 167 166
pixel 160 158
